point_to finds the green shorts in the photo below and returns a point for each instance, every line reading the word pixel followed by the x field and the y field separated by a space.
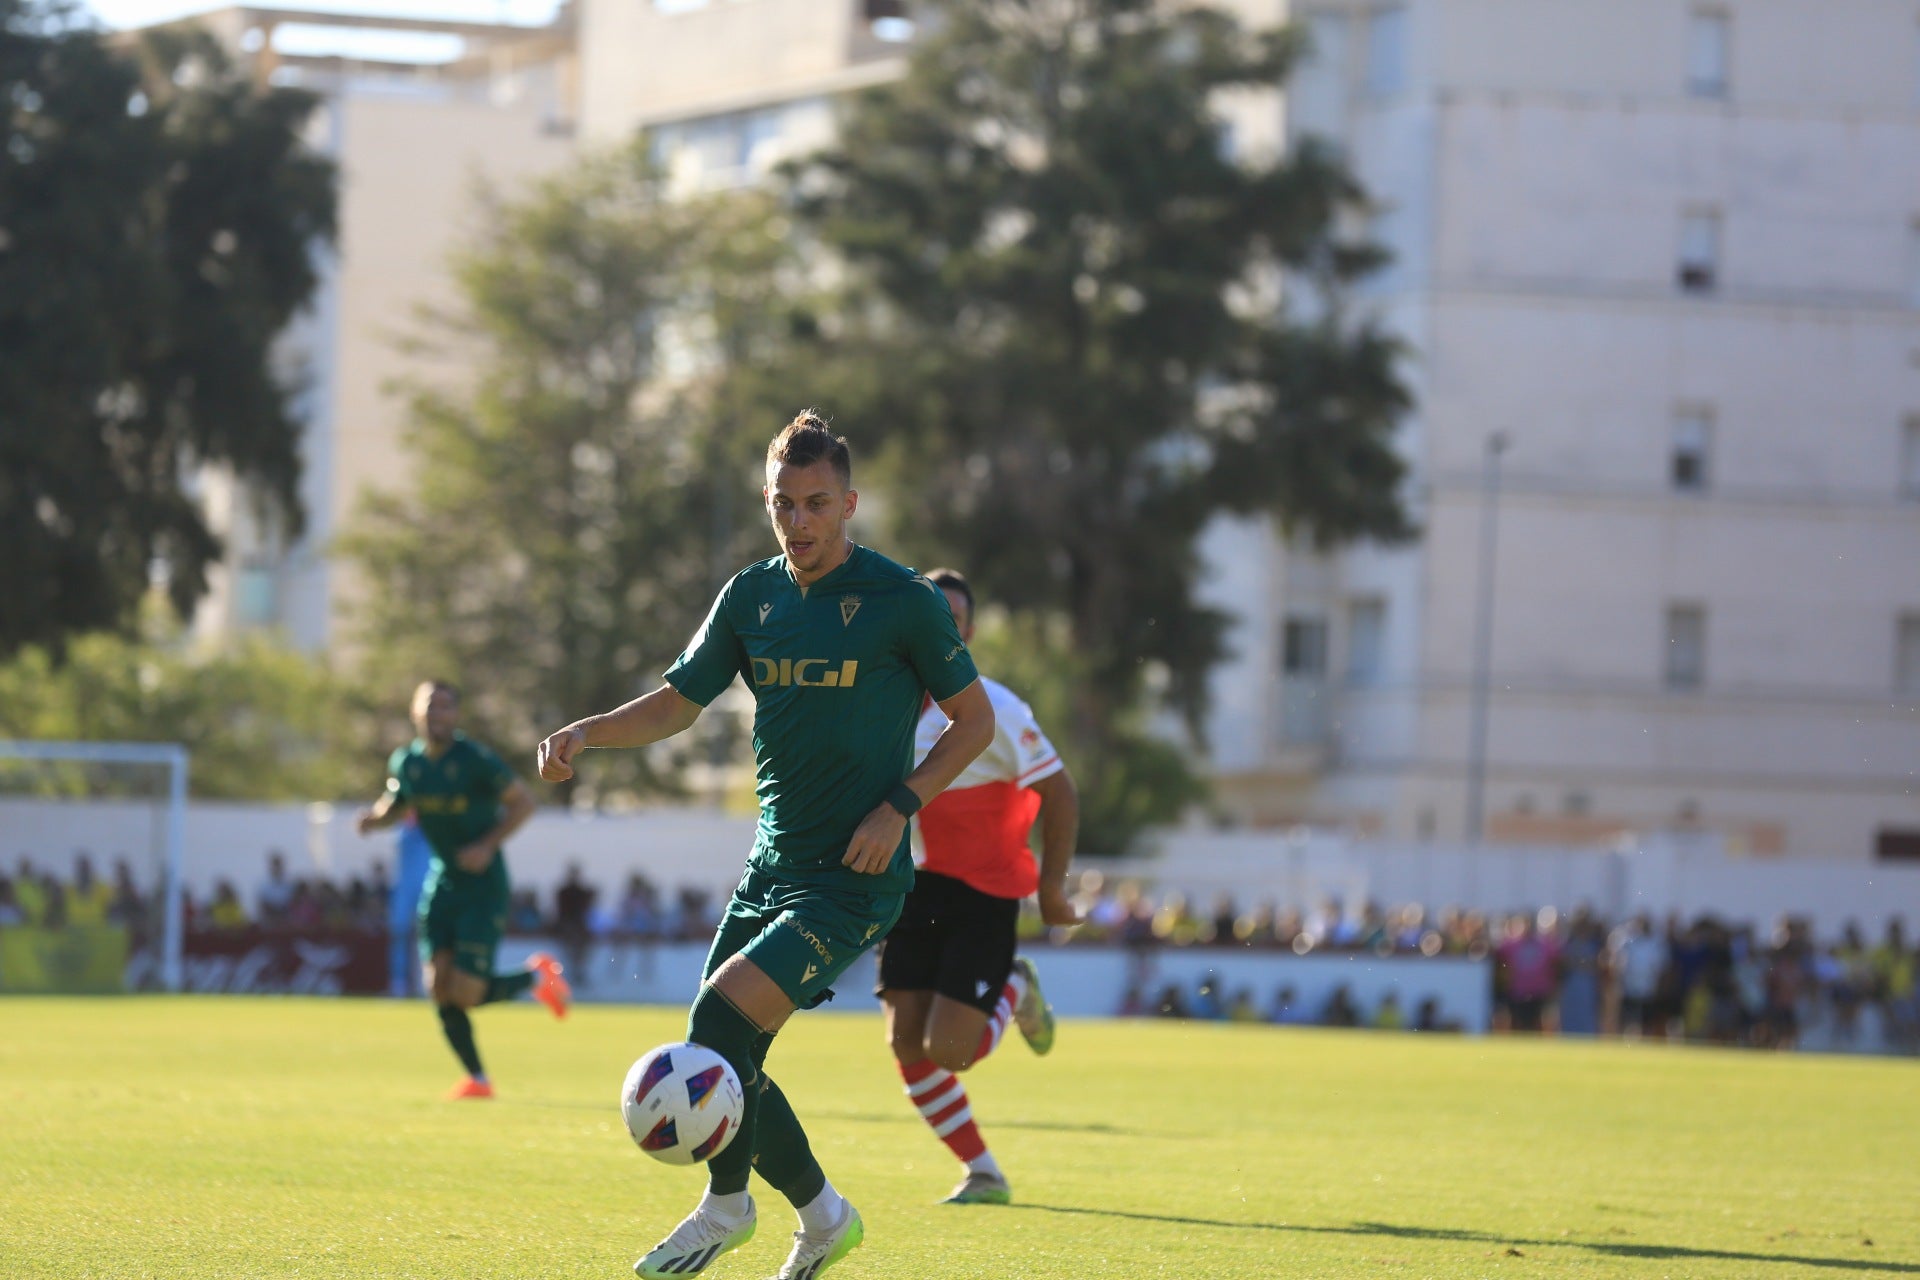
pixel 801 935
pixel 465 915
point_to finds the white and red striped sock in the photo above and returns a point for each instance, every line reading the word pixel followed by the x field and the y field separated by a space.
pixel 942 1102
pixel 1002 1014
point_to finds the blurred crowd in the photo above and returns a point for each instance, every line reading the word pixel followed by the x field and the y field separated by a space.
pixel 1707 979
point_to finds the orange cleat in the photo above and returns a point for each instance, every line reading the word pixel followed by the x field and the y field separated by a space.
pixel 469 1088
pixel 549 988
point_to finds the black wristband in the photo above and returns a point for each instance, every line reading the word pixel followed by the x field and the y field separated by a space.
pixel 905 802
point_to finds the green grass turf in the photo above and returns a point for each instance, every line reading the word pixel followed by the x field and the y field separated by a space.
pixel 248 1138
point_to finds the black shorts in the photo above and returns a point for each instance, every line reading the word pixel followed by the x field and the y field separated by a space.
pixel 952 939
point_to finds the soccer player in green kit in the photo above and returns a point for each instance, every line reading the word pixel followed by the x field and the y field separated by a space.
pixel 468 802
pixel 841 647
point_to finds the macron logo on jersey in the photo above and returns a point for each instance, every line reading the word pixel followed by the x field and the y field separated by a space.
pixel 765 609
pixel 809 673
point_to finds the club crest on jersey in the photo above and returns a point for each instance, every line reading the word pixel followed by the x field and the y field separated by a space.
pixel 811 673
pixel 849 605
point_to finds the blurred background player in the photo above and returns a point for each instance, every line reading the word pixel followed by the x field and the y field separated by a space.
pixel 467 802
pixel 948 973
pixel 842 646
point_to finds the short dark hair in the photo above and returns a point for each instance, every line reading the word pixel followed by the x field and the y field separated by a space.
pixel 438 686
pixel 952 580
pixel 807 440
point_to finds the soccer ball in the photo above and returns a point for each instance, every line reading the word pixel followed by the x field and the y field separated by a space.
pixel 682 1103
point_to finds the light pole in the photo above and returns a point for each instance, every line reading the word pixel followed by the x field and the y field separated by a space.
pixel 1483 640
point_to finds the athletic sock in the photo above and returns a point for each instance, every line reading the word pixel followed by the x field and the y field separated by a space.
pixel 985 1163
pixel 505 986
pixel 824 1212
pixel 942 1102
pixel 459 1029
pixel 735 1206
pixel 781 1152
pixel 1010 996
pixel 715 1022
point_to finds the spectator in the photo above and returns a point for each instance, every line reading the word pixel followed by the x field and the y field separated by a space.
pixel 571 903
pixel 1389 1017
pixel 1206 998
pixel 129 908
pixel 1242 1009
pixel 1220 930
pixel 1171 1004
pixel 53 894
pixel 30 891
pixel 90 897
pixel 1134 1003
pixel 1529 969
pixel 640 908
pixel 1640 960
pixel 305 912
pixel 1340 1011
pixel 274 898
pixel 523 913
pixel 1285 1010
pixel 10 912
pixel 226 911
pixel 1582 965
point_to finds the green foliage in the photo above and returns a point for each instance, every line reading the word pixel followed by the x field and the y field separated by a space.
pixel 1129 779
pixel 261 722
pixel 574 511
pixel 1066 330
pixel 158 217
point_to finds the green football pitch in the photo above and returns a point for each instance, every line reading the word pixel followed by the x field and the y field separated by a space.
pixel 246 1138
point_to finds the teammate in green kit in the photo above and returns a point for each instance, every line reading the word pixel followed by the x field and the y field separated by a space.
pixel 841 648
pixel 468 802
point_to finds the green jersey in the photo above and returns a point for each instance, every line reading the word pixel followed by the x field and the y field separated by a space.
pixel 839 671
pixel 456 797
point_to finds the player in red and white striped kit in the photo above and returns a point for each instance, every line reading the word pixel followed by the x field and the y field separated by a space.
pixel 948 973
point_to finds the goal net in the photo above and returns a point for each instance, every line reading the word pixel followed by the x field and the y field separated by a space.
pixel 92 838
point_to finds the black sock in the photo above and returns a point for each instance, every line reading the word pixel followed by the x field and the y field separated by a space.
pixel 505 986
pixel 459 1028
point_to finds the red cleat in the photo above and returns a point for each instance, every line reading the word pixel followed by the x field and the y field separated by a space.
pixel 469 1088
pixel 549 988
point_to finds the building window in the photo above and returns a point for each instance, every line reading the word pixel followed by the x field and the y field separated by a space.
pixel 256 595
pixel 1386 52
pixel 1699 250
pixel 1686 646
pixel 1708 34
pixel 1303 650
pixel 1906 657
pixel 1910 458
pixel 1692 448
pixel 1366 640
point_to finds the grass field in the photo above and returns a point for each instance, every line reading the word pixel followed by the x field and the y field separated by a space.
pixel 249 1138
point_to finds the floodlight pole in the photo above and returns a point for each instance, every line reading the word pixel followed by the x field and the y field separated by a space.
pixel 1483 640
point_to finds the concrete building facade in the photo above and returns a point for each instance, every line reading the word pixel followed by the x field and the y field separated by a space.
pixel 1669 253
pixel 415 138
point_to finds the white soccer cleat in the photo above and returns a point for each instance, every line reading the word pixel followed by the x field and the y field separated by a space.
pixel 697 1241
pixel 1033 1015
pixel 813 1254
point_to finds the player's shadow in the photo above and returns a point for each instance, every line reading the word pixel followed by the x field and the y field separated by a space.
pixel 909 1118
pixel 1608 1248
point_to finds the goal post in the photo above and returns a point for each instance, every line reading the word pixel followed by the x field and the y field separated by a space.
pixel 170 756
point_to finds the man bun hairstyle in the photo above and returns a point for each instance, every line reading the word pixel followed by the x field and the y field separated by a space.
pixel 807 440
pixel 952 580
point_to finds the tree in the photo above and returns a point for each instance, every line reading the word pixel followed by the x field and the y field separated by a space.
pixel 158 220
pixel 575 510
pixel 1083 334
pixel 260 721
